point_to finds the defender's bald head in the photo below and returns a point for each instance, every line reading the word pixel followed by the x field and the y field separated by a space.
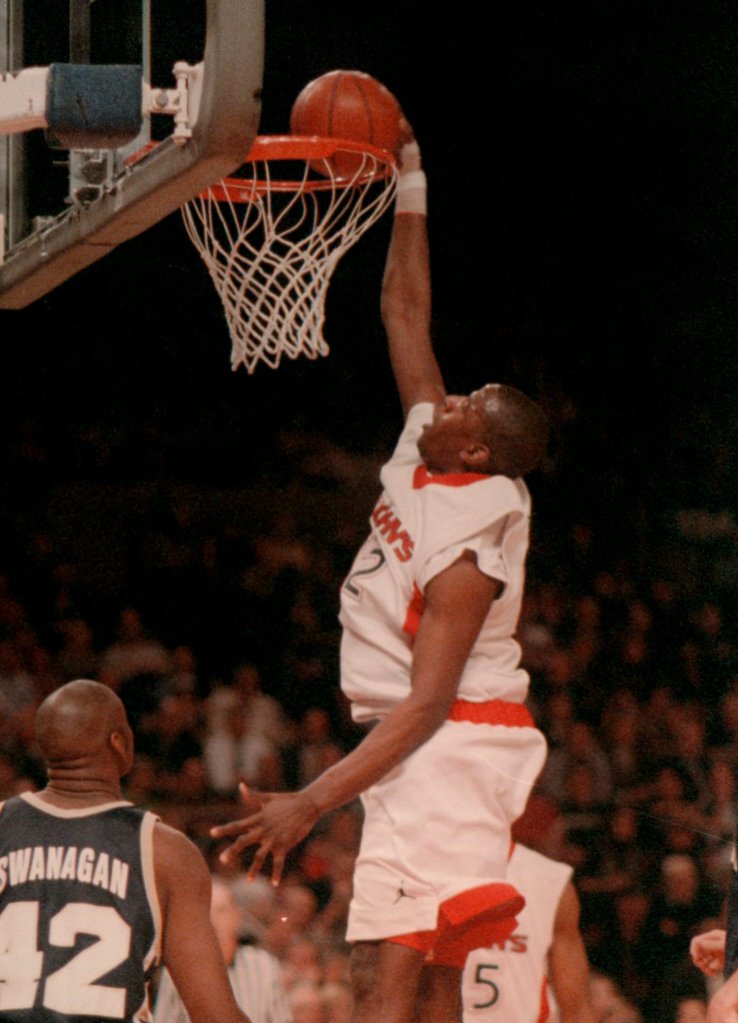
pixel 76 721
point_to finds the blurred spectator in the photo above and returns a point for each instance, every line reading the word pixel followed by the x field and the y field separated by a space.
pixel 17 687
pixel 246 730
pixel 691 1010
pixel 327 863
pixel 307 1003
pixel 581 749
pixel 255 975
pixel 624 861
pixel 232 749
pixel 76 657
pixel 182 674
pixel 338 1000
pixel 690 750
pixel 721 809
pixel 583 816
pixel 12 781
pixel 317 745
pixel 293 918
pixel 610 1003
pixel 622 737
pixel 174 744
pixel 134 651
pixel 631 913
pixel 679 909
pixel 302 961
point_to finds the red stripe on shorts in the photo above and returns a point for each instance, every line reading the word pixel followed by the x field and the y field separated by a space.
pixel 492 712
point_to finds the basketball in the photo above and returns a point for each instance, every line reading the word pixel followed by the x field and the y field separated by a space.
pixel 347 105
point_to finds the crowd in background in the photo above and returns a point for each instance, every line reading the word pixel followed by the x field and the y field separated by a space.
pixel 214 616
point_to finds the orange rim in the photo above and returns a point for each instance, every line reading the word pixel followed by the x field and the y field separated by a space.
pixel 272 148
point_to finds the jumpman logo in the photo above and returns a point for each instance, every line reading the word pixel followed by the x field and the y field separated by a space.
pixel 402 894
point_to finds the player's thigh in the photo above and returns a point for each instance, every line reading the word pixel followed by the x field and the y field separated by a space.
pixel 439 995
pixel 383 972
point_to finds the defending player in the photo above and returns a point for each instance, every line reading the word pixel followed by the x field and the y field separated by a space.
pixel 94 892
pixel 429 611
pixel 545 955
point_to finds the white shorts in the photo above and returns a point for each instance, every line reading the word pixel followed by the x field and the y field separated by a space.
pixel 439 824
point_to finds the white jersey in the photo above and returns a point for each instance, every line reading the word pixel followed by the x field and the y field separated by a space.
pixel 421 524
pixel 511 983
pixel 256 979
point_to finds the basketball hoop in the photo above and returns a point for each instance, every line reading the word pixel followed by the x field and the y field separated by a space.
pixel 272 237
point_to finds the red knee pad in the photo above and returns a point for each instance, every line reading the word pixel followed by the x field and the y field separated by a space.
pixel 477 918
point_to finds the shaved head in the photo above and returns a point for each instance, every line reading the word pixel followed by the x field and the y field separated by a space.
pixel 76 722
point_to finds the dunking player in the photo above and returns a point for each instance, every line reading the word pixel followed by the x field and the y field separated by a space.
pixel 95 892
pixel 545 954
pixel 429 611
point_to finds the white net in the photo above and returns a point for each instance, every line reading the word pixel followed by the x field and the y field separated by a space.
pixel 271 238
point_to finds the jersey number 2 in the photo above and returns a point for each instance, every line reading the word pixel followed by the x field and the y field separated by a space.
pixel 70 990
pixel 376 556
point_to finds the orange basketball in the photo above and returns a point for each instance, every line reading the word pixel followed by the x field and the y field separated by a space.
pixel 347 105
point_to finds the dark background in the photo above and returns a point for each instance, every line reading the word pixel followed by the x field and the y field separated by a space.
pixel 581 157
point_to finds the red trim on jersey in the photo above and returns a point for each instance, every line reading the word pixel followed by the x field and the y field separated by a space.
pixel 414 612
pixel 492 712
pixel 545 1010
pixel 421 478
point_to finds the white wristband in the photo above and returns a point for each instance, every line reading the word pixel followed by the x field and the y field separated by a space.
pixel 411 193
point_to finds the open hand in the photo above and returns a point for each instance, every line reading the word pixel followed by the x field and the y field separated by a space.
pixel 276 821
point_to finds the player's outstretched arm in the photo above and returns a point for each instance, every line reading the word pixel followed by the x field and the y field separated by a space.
pixel 442 645
pixel 568 962
pixel 406 287
pixel 190 949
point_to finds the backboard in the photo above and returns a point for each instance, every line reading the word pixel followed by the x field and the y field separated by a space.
pixel 62 209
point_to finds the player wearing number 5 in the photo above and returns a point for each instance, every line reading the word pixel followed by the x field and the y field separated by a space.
pixel 94 892
pixel 540 973
pixel 429 613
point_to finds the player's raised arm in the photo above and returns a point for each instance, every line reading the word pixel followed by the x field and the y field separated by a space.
pixel 406 287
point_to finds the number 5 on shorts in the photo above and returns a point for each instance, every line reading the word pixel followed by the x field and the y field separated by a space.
pixel 494 991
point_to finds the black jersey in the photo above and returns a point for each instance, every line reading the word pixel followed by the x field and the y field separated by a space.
pixel 79 917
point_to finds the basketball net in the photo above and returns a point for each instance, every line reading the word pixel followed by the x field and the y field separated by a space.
pixel 272 238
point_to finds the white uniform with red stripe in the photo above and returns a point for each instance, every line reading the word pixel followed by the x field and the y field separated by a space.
pixel 438 824
pixel 511 982
pixel 419 526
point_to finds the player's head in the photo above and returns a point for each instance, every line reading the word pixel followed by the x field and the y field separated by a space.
pixel 82 726
pixel 496 430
